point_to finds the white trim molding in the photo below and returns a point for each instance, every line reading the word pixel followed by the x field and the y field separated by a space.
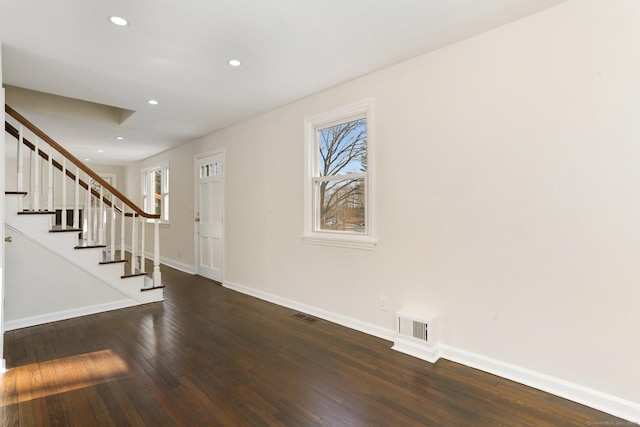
pixel 340 242
pixel 586 396
pixel 349 322
pixel 425 352
pixel 169 262
pixel 178 265
pixel 312 233
pixel 604 402
pixel 67 314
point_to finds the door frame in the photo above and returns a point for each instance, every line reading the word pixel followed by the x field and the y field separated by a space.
pixel 196 207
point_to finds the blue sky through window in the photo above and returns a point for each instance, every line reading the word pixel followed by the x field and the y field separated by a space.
pixel 343 148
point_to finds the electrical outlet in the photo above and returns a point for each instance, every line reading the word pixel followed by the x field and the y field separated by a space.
pixel 383 303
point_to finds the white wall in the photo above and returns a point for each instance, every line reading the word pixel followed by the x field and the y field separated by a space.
pixel 176 237
pixel 55 290
pixel 507 202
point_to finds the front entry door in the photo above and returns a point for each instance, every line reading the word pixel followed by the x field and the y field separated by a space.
pixel 209 215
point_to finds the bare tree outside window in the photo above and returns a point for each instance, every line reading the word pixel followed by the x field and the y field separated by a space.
pixel 342 170
pixel 339 165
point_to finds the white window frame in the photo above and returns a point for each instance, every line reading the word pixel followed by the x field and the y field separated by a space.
pixel 147 190
pixel 312 234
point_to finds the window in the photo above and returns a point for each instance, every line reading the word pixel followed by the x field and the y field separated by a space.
pixel 338 194
pixel 155 191
pixel 112 180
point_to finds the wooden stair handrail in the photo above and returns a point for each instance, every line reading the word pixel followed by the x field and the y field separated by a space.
pixel 11 130
pixel 40 134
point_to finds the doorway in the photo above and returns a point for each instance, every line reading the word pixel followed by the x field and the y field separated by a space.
pixel 209 214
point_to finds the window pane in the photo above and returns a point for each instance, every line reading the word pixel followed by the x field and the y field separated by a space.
pixel 342 205
pixel 343 148
pixel 157 191
pixel 145 188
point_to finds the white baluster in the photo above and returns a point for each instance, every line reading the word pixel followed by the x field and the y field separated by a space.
pixel 63 224
pixel 94 221
pixel 20 168
pixel 101 220
pixel 87 210
pixel 122 226
pixel 142 232
pixel 134 248
pixel 157 277
pixel 50 182
pixel 112 249
pixel 36 178
pixel 76 202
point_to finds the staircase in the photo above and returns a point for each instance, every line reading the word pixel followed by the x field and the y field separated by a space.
pixel 65 210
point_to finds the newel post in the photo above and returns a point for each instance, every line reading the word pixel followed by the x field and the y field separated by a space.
pixel 157 276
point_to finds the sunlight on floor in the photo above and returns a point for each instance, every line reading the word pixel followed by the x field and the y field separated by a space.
pixel 52 377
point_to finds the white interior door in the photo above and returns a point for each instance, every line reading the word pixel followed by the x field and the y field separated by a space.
pixel 209 215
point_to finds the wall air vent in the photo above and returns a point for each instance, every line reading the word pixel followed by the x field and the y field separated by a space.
pixel 417 335
pixel 413 328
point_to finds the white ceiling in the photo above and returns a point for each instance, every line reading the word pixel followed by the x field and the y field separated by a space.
pixel 177 52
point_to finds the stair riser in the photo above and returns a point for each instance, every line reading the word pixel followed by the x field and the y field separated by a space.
pixel 36 228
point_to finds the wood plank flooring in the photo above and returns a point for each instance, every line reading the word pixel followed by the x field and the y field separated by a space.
pixel 208 356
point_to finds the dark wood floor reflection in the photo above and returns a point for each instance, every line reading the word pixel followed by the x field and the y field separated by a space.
pixel 208 356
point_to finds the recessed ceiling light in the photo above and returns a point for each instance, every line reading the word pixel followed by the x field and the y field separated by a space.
pixel 100 151
pixel 152 102
pixel 234 63
pixel 121 22
pixel 119 138
pixel 86 160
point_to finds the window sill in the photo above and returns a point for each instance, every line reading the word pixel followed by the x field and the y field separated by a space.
pixel 340 241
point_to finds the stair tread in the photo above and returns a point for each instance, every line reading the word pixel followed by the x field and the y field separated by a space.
pixel 148 285
pixel 136 274
pixel 115 261
pixel 105 258
pixel 152 288
pixel 60 229
pixel 83 246
pixel 36 213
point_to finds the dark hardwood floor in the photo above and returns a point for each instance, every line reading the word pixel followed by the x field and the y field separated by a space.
pixel 208 356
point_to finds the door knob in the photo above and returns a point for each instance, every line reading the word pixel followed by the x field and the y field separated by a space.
pixel 7 239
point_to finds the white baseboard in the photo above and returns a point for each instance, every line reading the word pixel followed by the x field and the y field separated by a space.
pixel 67 314
pixel 3 366
pixel 613 405
pixel 586 396
pixel 349 322
pixel 421 351
pixel 169 262
pixel 178 265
